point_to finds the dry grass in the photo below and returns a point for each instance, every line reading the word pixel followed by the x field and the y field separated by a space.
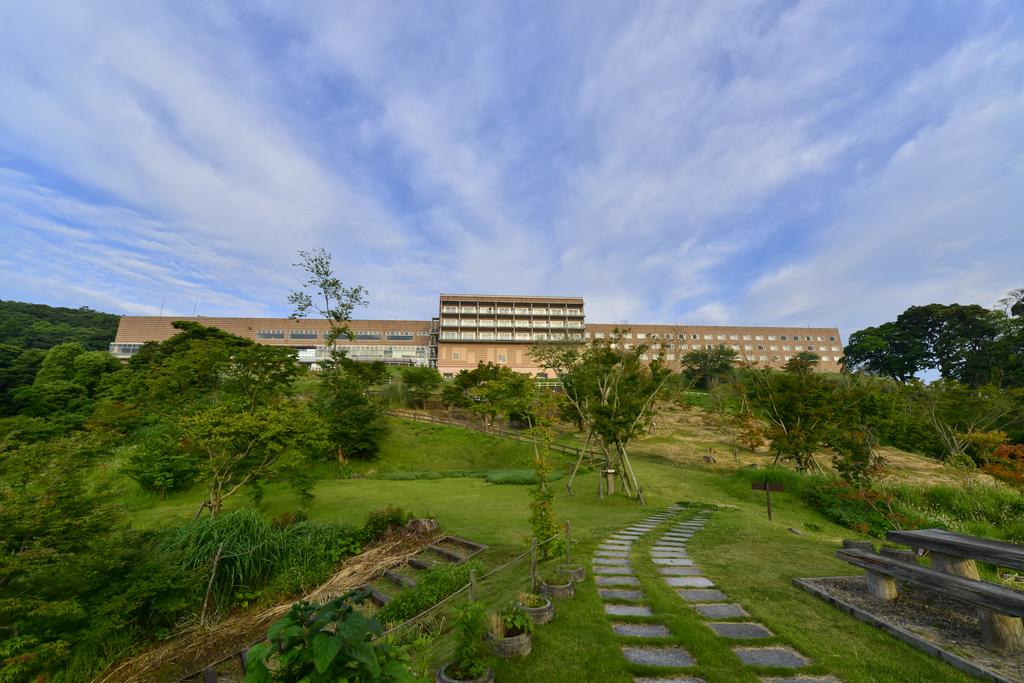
pixel 196 645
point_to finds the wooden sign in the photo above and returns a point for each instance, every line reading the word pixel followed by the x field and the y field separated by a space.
pixel 767 487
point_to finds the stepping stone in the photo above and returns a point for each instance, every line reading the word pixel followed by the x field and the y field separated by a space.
pixel 615 544
pixel 721 611
pixel 672 562
pixel 612 594
pixel 612 561
pixel 626 571
pixel 701 595
pixel 668 552
pixel 680 571
pixel 611 553
pixel 778 657
pixel 674 679
pixel 657 656
pixel 628 610
pixel 736 629
pixel 689 582
pixel 800 679
pixel 641 630
pixel 617 581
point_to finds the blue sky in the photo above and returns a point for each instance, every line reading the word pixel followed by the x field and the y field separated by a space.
pixel 823 163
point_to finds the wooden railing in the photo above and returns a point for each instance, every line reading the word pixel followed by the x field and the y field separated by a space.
pixel 571 451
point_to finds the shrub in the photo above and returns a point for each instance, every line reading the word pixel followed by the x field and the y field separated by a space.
pixel 471 651
pixel 327 643
pixel 436 585
pixel 511 621
pixel 379 522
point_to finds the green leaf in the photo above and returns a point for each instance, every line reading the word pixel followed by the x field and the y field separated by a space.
pixel 363 652
pixel 325 649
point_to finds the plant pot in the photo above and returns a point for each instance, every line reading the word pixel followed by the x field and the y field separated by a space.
pixel 442 677
pixel 540 615
pixel 573 571
pixel 513 646
pixel 556 591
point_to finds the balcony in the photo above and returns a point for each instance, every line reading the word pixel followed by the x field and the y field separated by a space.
pixel 450 322
pixel 556 311
pixel 504 323
pixel 574 312
pixel 467 323
pixel 541 324
pixel 540 311
pixel 486 323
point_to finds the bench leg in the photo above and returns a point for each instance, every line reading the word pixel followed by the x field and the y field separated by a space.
pixel 958 566
pixel 881 586
pixel 1001 632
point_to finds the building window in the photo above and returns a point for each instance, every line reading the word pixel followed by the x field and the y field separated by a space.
pixel 368 334
pixel 762 357
pixel 831 338
pixel 447 375
pixel 302 334
pixel 456 355
pixel 502 357
pixel 774 348
pixel 760 347
pixel 746 337
pixel 783 337
pixel 734 337
pixel 747 347
pixel 467 335
pixel 771 337
pixel 810 347
pixel 786 348
pixel 399 336
pixel 270 334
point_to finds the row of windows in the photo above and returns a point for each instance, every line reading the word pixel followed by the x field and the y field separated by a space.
pixel 710 337
pixel 512 310
pixel 509 336
pixel 359 334
pixel 749 357
pixel 452 322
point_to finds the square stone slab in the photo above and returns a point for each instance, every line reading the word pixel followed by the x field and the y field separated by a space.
pixel 737 629
pixel 674 679
pixel 668 552
pixel 612 594
pixel 680 571
pixel 701 595
pixel 641 630
pixel 780 657
pixel 612 561
pixel 613 570
pixel 616 543
pixel 617 581
pixel 657 656
pixel 800 679
pixel 672 562
pixel 628 610
pixel 611 553
pixel 721 611
pixel 689 582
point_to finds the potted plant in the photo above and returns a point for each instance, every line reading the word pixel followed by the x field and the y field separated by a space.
pixel 537 607
pixel 510 631
pixel 472 652
pixel 556 586
pixel 573 571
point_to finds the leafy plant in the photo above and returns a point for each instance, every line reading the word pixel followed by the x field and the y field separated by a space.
pixel 472 653
pixel 512 621
pixel 379 522
pixel 437 584
pixel 532 600
pixel 332 642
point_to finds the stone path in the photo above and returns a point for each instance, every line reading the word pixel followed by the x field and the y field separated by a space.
pixel 623 596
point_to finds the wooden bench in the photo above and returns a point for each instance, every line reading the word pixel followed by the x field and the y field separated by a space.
pixel 955 553
pixel 1000 608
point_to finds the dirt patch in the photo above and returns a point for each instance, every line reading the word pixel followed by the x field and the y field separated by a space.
pixel 930 616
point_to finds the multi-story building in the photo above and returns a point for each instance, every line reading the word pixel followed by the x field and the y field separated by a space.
pixel 472 329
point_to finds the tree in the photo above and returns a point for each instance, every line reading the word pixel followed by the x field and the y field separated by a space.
pixel 707 367
pixel 613 390
pixel 260 375
pixel 964 418
pixel 234 449
pixel 355 419
pixel 802 363
pixel 421 383
pixel 324 293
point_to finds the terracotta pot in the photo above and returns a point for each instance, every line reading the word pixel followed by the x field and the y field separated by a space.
pixel 558 592
pixel 540 615
pixel 442 677
pixel 573 571
pixel 514 646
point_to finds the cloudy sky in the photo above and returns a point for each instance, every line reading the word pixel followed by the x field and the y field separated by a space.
pixel 824 163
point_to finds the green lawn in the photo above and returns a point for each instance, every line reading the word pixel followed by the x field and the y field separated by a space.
pixel 751 559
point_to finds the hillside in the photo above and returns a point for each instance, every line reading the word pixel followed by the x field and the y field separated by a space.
pixel 38 326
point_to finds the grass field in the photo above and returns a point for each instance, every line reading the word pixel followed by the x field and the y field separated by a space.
pixel 751 559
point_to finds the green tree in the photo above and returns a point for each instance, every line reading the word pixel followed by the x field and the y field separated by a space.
pixel 324 294
pixel 237 449
pixel 421 383
pixel 355 418
pixel 802 363
pixel 707 367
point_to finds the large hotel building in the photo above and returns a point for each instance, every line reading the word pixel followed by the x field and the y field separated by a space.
pixel 476 328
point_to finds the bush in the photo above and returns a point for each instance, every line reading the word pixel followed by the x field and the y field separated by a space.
pixel 324 643
pixel 379 522
pixel 436 585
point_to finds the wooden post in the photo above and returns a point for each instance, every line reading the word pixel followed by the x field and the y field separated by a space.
pixel 880 586
pixel 768 497
pixel 1001 632
pixel 533 565
pixel 958 566
pixel 568 542
pixel 472 584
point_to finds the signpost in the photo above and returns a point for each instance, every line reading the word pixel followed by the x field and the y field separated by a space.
pixel 767 487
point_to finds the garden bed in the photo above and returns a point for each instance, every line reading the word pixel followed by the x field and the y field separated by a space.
pixel 928 620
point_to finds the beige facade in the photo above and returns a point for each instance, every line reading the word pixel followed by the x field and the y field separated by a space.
pixel 472 329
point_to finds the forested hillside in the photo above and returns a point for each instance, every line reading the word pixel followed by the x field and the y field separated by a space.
pixel 28 330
